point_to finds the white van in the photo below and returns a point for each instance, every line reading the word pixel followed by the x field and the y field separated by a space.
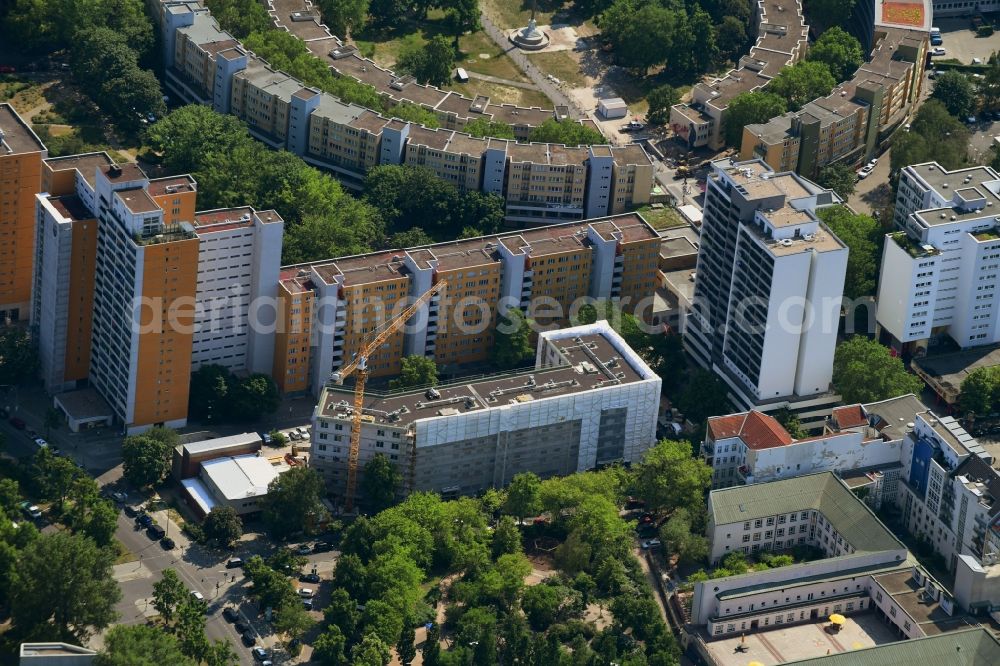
pixel 461 75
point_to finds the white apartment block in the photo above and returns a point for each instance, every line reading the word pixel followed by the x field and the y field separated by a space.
pixel 939 272
pixel 239 252
pixel 864 566
pixel 590 400
pixel 769 285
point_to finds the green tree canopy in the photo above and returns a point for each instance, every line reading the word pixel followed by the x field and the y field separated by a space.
pixel 415 370
pixel 704 395
pixel 802 82
pixel 523 497
pixel 827 14
pixel 512 341
pixel 956 92
pixel 863 235
pixel 141 645
pixel 379 482
pixel 169 593
pixel 146 457
pixel 935 135
pixel 223 526
pixel 669 477
pixel 18 355
pixel 431 63
pixel 840 178
pixel 344 16
pixel 64 580
pixel 679 536
pixel 980 391
pixel 660 100
pixel 485 127
pixel 865 371
pixel 568 132
pixel 748 109
pixel 294 502
pixel 731 37
pixel 253 397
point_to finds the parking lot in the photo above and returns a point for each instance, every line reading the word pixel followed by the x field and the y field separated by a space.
pixel 962 43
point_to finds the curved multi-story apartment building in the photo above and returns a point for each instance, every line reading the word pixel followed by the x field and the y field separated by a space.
pixel 781 41
pixel 851 122
pixel 541 183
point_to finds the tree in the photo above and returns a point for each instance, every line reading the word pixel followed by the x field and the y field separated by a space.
pixel 140 645
pixel 568 132
pixel 146 457
pixel 415 370
pixel 254 396
pixel 512 343
pixel 342 611
pixel 748 109
pixel 240 17
pixel 840 178
pixel 55 475
pixel 643 34
pixel 292 619
pixel 343 16
pixel 294 502
pixel 679 537
pixel 669 477
pixel 862 235
pixel 64 579
pixel 980 390
pixel 660 100
pixel 99 520
pixel 330 648
pixel 802 83
pixel 432 646
pixel 540 604
pixel 223 526
pixel 168 594
pixel 865 371
pixel 790 422
pixel 956 92
pixel 463 15
pixel 523 498
pixel 838 50
pixel 209 393
pixel 731 37
pixel 379 482
pixel 506 537
pixel 935 135
pixel 406 649
pixel 18 355
pixel 704 395
pixel 371 651
pixel 485 127
pixel 318 237
pixel 190 628
pixel 431 63
pixel 826 13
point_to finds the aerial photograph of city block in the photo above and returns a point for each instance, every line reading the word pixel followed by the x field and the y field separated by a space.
pixel 499 332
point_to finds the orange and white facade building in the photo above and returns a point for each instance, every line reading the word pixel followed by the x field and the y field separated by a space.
pixel 134 289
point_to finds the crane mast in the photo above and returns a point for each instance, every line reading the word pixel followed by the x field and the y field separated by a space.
pixel 359 365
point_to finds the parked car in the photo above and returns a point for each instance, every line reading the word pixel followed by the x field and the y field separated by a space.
pixel 31 510
pixel 309 578
pixel 155 532
pixel 304 549
pixel 865 171
pixel 651 543
pixel 40 443
pixel 167 543
pixel 249 638
pixel 241 627
pixel 971 120
pixel 322 547
pixel 938 51
pixel 307 604
pixel 119 497
pixel 131 511
pixel 265 437
pixel 307 592
pixel 198 596
pixel 230 614
pixel 17 423
pixel 259 653
pixel 143 520
pixel 234 563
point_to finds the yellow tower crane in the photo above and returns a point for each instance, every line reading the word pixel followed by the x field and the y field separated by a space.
pixel 359 364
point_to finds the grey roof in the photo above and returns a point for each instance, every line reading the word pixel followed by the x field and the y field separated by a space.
pixel 823 492
pixel 220 443
pixel 972 647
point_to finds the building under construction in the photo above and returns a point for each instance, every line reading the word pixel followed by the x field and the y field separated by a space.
pixel 590 400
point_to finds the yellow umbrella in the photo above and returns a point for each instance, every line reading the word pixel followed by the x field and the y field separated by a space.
pixel 838 619
pixel 755 663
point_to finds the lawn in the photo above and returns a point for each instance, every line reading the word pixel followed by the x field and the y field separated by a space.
pixel 501 94
pixel 661 218
pixel 561 65
pixel 474 46
pixel 124 554
pixel 515 13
